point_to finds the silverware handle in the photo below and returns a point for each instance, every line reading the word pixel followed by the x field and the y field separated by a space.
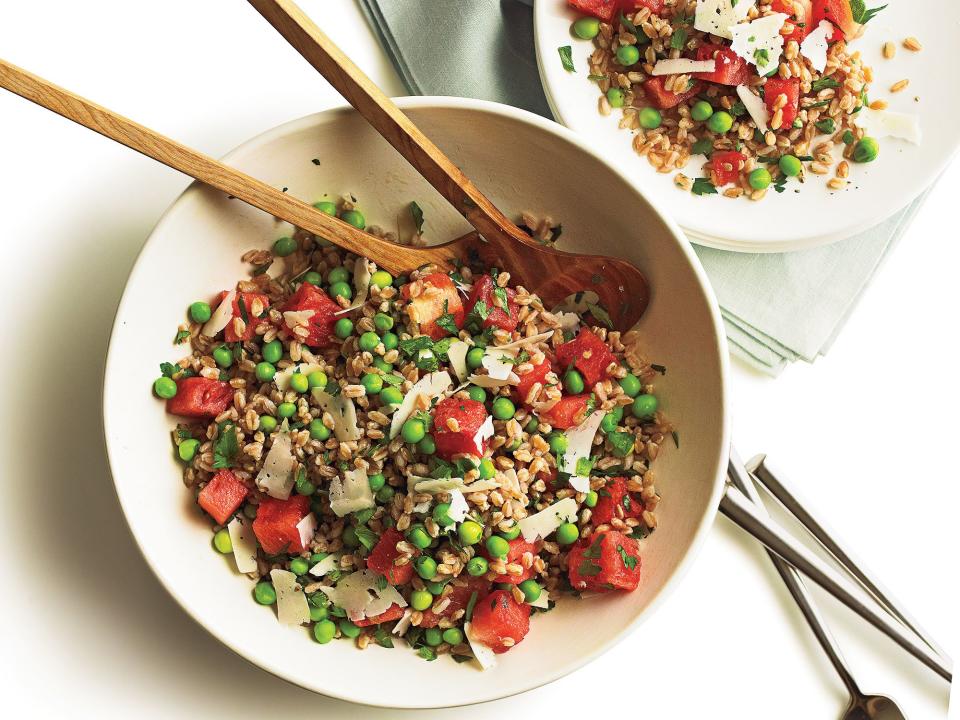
pixel 738 507
pixel 770 477
pixel 795 585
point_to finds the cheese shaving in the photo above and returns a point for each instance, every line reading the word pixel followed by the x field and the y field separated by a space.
pixel 307 528
pixel 458 506
pixel 276 476
pixel 431 386
pixel 361 595
pixel 483 653
pixel 403 624
pixel 579 446
pixel 244 544
pixel 524 341
pixel 443 485
pixel 297 318
pixel 485 381
pixel 568 321
pixel 498 362
pixel 457 354
pixel 221 316
pixel 886 123
pixel 344 414
pixel 760 42
pixel 351 493
pixel 542 602
pixel 718 16
pixel 755 106
pixel 541 524
pixel 282 378
pixel 292 607
pixel 330 563
pixel 361 285
pixel 678 66
pixel 484 433
pixel 814 47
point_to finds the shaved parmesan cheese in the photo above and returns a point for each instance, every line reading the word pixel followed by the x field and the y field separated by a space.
pixel 244 544
pixel 328 564
pixel 457 354
pixel 677 66
pixel 580 483
pixel 814 46
pixel 549 519
pixel 542 602
pixel 221 316
pixel 532 340
pixel 485 432
pixel 350 494
pixel 886 123
pixel 344 414
pixel 442 485
pixel 361 285
pixel 498 362
pixel 755 106
pixel 430 385
pixel 282 378
pixel 579 445
pixel 403 624
pixel 276 476
pixel 485 381
pixel 292 608
pixel 458 506
pixel 307 529
pixel 718 16
pixel 760 42
pixel 568 321
pixel 297 318
pixel 483 653
pixel 361 595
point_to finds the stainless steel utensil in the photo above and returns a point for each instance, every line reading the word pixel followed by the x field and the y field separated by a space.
pixel 862 706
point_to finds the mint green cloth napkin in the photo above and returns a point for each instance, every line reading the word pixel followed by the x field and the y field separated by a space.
pixel 777 308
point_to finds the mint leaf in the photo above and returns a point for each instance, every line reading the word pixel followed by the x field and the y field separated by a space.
pixel 226 447
pixel 417 214
pixel 629 561
pixel 703 186
pixel 861 13
pixel 566 57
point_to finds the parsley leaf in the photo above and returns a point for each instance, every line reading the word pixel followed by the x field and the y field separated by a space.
pixel 628 560
pixel 412 346
pixel 181 336
pixel 446 321
pixel 566 57
pixel 629 26
pixel 382 637
pixel 861 13
pixel 427 653
pixel 593 551
pixel 678 39
pixel 827 126
pixel 588 568
pixel 481 310
pixel 500 299
pixel 702 147
pixel 168 369
pixel 600 314
pixel 226 447
pixel 416 212
pixel 703 186
pixel 780 184
pixel 762 56
pixel 737 109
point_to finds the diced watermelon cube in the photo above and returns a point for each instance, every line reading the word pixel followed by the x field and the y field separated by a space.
pixel 731 69
pixel 483 290
pixel 656 92
pixel 461 590
pixel 276 523
pixel 588 354
pixel 840 14
pixel 726 166
pixel 538 374
pixel 563 415
pixel 384 554
pixel 498 617
pixel 439 298
pixel 469 416
pixel 614 501
pixel 656 6
pixel 606 10
pixel 773 88
pixel 200 397
pixel 320 324
pixel 394 612
pixel 250 324
pixel 605 561
pixel 800 13
pixel 222 496
pixel 518 546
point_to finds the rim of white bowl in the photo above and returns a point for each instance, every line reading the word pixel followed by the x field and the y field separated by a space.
pixel 699 535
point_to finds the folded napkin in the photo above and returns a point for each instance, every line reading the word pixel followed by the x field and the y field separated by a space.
pixel 776 308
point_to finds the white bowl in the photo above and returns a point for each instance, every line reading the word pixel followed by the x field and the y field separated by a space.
pixel 522 162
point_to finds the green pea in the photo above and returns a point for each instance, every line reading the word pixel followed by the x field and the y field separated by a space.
pixel 318 613
pixel 866 150
pixel 419 537
pixel 453 636
pixel 497 546
pixel 376 481
pixel 720 122
pixel 433 636
pixel 760 179
pixel 701 111
pixel 299 566
pixel 265 371
pixel 286 409
pixel 615 97
pixel 470 532
pixel 477 393
pixel 475 358
pixel 337 275
pixel 428 445
pixel 435 587
pixel 284 246
pixel 385 494
pixel 317 379
pixel 567 534
pixel 478 566
pixel 413 430
pixel 487 469
pixel 299 383
pixel 348 629
pixel 341 289
pixel 573 382
pixel 513 445
pixel 324 631
pixel 609 423
pixel 382 365
pixel 221 541
pixel 390 341
pixel 305 487
pixel 369 341
pixel 372 383
pixel 532 425
pixel 165 387
pixel 200 312
pixel 426 567
pixel 631 385
pixel 558 443
pixel 441 514
pixel 421 599
pixel 530 589
pixel 790 166
pixel 650 118
pixel 503 408
pixel 381 278
pixel 312 277
pixel 264 593
pixel 187 449
pixel 349 537
pixel 391 395
pixel 512 533
pixel 268 424
pixel 355 218
pixel 343 328
pixel 644 406
pixel 272 351
pixel 325 206
pixel 628 55
pixel 591 499
pixel 586 28
pixel 382 322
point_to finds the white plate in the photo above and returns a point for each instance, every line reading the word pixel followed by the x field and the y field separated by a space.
pixel 504 153
pixel 815 215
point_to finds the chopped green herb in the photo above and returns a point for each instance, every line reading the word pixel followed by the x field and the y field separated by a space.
pixel 678 39
pixel 471 603
pixel 417 214
pixel 226 447
pixel 382 637
pixel 703 186
pixel 566 57
pixel 848 137
pixel 629 561
pixel 780 184
pixel 447 321
pixel 662 369
pixel 823 83
pixel 822 103
pixel 596 78
pixel 168 369
pixel 412 346
pixel 600 314
pixel 427 653
pixel 588 568
pixel 861 13
pixel 181 336
pixel 261 269
pixel 367 537
pixel 593 552
pixel 500 296
pixel 762 56
pixel 676 438
pixel 737 109
pixel 702 147
pixel 629 26
pixel 826 126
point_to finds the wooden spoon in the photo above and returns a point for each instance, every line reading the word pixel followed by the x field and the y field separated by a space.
pixel 622 288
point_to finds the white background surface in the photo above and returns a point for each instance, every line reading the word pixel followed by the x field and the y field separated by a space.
pixel 870 432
